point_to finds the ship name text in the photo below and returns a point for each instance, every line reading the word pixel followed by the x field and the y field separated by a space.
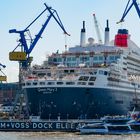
pixel 47 90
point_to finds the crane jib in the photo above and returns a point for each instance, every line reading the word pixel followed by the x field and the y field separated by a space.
pixel 23 41
pixel 128 7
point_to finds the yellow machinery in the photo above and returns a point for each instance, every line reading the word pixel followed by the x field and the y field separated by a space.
pixel 3 78
pixel 17 56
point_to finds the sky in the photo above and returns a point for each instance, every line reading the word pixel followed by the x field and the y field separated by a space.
pixel 18 14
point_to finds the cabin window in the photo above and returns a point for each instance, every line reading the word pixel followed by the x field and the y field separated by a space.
pixel 70 83
pixel 81 83
pixel 105 72
pixel 28 84
pixel 101 72
pixel 34 83
pixel 124 63
pixel 83 78
pixel 133 84
pixel 91 83
pixel 116 57
pixel 59 83
pixel 73 59
pixel 66 71
pixel 51 83
pixel 59 59
pixel 71 71
pixel 92 79
pixel 54 60
pixel 23 84
pixel 48 74
pixel 95 72
pixel 83 59
pixel 41 74
pixel 68 59
pixel 95 58
pixel 111 58
pixel 100 58
pixel 42 83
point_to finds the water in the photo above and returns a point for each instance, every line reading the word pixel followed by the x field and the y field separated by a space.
pixel 62 136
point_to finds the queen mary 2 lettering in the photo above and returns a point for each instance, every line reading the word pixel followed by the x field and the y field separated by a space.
pixel 47 90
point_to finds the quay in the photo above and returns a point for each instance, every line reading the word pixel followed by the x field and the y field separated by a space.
pixel 43 125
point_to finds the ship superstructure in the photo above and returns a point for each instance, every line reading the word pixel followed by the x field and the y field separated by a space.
pixel 87 81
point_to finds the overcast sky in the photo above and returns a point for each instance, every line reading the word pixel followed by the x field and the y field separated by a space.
pixel 18 14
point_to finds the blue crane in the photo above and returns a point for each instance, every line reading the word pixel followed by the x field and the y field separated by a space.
pixel 27 49
pixel 128 7
pixel 3 77
pixel 1 65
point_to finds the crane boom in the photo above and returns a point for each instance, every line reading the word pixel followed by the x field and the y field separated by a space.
pixel 23 41
pixel 128 7
pixel 97 29
pixel 2 65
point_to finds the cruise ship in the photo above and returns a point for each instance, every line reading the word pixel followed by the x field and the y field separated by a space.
pixel 86 81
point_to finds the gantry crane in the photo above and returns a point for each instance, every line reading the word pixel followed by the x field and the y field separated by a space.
pixel 97 29
pixel 23 56
pixel 128 7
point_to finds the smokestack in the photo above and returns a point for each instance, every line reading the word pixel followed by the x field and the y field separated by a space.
pixel 106 41
pixel 83 36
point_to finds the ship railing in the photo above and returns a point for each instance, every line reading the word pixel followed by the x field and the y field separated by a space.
pixel 29 83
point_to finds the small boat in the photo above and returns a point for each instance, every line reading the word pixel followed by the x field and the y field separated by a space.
pixel 118 129
pixel 104 128
pixel 112 125
pixel 135 125
pixel 94 128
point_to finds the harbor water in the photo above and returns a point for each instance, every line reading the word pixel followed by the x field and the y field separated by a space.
pixel 62 136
